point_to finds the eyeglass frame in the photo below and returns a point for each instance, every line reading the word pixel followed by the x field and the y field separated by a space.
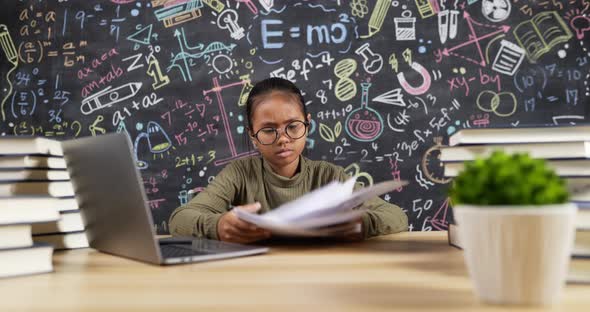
pixel 278 135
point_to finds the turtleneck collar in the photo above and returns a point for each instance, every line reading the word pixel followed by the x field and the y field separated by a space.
pixel 281 181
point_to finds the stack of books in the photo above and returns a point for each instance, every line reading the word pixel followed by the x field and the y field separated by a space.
pixel 566 150
pixel 66 233
pixel 37 205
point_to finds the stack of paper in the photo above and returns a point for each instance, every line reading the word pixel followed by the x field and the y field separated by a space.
pixel 325 211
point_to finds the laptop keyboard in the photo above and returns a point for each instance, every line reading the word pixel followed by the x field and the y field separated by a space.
pixel 175 251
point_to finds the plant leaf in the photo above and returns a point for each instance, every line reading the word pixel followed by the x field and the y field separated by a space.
pixel 326 133
pixel 338 129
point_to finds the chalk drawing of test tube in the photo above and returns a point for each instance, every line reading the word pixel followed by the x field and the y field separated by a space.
pixel 108 97
pixel 447 24
pixel 426 80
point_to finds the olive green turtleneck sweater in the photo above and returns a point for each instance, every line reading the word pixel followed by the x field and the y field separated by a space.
pixel 251 179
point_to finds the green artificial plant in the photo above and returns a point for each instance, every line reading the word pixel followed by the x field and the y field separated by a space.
pixel 503 179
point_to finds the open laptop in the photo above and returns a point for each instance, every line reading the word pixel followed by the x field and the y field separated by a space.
pixel 113 204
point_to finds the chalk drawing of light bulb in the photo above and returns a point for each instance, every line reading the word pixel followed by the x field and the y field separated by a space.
pixel 228 19
pixel 157 139
pixel 580 24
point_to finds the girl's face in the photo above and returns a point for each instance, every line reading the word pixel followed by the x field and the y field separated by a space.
pixel 279 110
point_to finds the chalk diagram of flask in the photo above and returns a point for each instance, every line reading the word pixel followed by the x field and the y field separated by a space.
pixel 364 123
pixel 372 61
pixel 109 97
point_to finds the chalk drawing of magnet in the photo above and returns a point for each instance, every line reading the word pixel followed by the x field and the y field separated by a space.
pixel 425 80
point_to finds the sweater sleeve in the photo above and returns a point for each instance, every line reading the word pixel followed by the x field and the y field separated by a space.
pixel 381 217
pixel 200 216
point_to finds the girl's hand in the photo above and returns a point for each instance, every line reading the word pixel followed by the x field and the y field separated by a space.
pixel 352 231
pixel 231 229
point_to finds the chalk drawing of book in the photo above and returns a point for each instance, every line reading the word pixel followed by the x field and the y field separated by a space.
pixel 540 34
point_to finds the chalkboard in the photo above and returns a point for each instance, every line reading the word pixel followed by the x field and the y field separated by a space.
pixel 386 81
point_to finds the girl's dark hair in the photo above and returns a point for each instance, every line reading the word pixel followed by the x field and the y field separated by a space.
pixel 267 86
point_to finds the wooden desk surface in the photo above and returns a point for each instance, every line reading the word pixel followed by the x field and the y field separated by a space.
pixel 403 272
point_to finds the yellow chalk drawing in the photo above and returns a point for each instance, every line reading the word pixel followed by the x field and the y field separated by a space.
pixel 345 88
pixel 157 3
pixel 359 8
pixel 155 72
pixel 495 100
pixel 377 17
pixel 77 127
pixel 407 54
pixel 393 62
pixel 12 56
pixel 363 178
pixel 337 129
pixel 94 128
pixel 540 34
pixel 326 133
pixel 424 8
pixel 181 18
pixel 216 5
pixel 246 88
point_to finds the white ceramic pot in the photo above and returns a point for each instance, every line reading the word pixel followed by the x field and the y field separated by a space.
pixel 516 254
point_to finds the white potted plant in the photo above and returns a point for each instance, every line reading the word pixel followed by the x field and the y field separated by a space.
pixel 517 228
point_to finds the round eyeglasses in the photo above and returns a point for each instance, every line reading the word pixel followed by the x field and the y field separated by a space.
pixel 268 135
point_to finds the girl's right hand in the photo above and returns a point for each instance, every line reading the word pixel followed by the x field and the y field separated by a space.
pixel 232 229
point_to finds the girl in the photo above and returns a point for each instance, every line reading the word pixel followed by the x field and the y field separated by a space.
pixel 277 125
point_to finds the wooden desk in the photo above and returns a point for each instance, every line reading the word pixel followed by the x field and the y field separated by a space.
pixel 403 272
